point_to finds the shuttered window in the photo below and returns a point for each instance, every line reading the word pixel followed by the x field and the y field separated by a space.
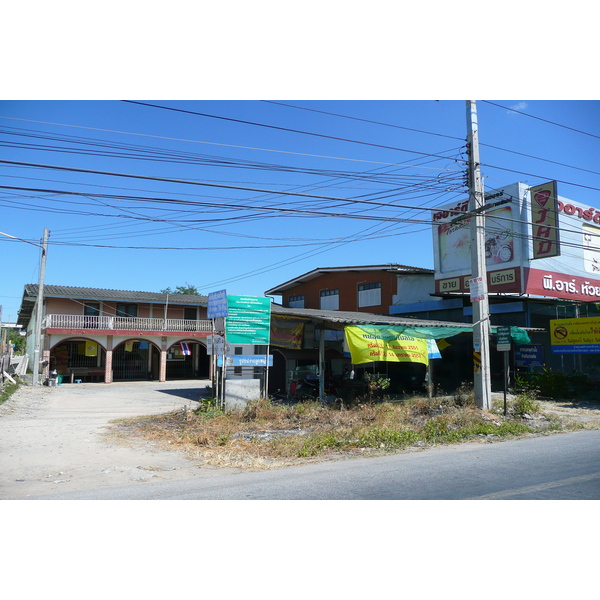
pixel 369 294
pixel 296 301
pixel 330 299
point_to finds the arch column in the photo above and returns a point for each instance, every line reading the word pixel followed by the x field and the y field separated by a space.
pixel 108 372
pixel 163 360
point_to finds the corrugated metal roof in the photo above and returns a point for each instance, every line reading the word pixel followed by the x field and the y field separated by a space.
pixel 85 293
pixel 393 267
pixel 339 318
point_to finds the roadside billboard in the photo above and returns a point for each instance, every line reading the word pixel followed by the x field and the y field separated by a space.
pixel 523 242
pixel 576 274
pixel 504 228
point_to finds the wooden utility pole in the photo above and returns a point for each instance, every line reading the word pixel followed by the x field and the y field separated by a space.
pixel 39 312
pixel 481 312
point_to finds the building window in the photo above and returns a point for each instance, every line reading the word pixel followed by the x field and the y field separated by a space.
pixel 330 299
pixel 369 294
pixel 189 313
pixel 296 301
pixel 91 309
pixel 126 310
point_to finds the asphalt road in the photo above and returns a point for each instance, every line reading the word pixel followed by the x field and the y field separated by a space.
pixel 555 467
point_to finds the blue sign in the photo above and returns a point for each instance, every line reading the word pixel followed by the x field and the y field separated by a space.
pixel 245 360
pixel 217 305
pixel 576 349
pixel 529 356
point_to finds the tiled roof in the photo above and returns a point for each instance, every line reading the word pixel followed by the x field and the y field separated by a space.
pixel 85 293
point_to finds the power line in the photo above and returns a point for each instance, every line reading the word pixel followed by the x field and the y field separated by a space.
pixel 434 133
pixel 321 135
pixel 520 112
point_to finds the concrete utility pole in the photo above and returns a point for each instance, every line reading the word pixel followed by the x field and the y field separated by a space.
pixel 39 312
pixel 481 312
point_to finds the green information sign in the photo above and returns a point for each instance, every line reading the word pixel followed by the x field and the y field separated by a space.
pixel 248 320
pixel 504 339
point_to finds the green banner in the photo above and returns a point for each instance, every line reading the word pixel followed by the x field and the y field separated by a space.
pixel 248 320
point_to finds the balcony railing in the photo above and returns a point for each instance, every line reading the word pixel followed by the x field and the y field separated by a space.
pixel 123 323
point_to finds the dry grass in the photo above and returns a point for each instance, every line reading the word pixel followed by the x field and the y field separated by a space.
pixel 266 436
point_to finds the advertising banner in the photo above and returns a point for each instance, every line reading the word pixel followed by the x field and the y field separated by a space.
pixel 504 232
pixel 574 276
pixel 544 220
pixel 378 346
pixel 287 332
pixel 248 320
pixel 575 336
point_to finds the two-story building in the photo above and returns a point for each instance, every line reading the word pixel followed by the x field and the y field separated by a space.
pixel 371 288
pixel 111 335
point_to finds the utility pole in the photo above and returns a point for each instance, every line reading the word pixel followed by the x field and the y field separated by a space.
pixel 39 312
pixel 481 312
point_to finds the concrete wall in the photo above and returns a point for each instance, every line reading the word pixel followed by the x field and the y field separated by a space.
pixel 238 392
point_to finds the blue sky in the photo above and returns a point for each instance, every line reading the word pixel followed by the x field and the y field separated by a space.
pixel 349 158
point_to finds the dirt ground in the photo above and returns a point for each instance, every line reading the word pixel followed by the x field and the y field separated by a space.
pixel 53 439
pixel 58 439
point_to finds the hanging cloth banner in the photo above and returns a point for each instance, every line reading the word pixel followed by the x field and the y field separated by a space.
pixel 432 349
pixel 374 347
pixel 129 346
pixel 185 349
pixel 91 349
pixel 286 332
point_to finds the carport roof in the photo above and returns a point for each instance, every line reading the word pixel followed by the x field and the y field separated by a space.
pixel 336 319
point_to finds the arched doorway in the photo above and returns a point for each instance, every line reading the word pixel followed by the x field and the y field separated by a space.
pixel 187 359
pixel 78 358
pixel 135 360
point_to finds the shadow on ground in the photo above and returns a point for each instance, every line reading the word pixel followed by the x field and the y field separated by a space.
pixel 193 394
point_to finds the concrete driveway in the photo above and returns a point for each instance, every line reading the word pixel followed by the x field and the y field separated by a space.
pixel 51 438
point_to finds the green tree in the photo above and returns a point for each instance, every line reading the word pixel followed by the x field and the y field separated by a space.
pixel 17 340
pixel 182 289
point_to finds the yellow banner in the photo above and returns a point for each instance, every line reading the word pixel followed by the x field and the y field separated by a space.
pixel 366 347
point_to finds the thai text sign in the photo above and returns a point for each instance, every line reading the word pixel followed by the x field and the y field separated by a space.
pixel 531 355
pixel 575 336
pixel 217 304
pixel 248 320
pixel 246 360
pixel 368 347
pixel 544 220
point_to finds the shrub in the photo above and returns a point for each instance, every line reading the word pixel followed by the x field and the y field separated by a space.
pixel 464 394
pixel 376 384
pixel 550 383
pixel 525 403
